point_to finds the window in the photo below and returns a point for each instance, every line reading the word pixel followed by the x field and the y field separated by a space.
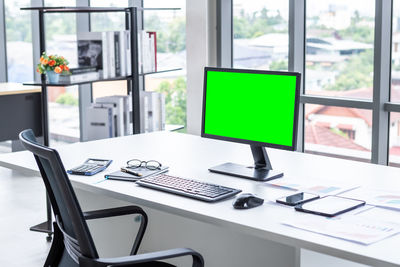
pixel 331 130
pixel 339 48
pixel 395 85
pixel 170 27
pixel 394 139
pixel 394 126
pixel 337 57
pixel 63 111
pixel 19 41
pixel 339 63
pixel 108 21
pixel 260 34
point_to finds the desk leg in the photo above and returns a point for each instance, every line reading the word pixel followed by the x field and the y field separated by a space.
pixel 47 226
pixel 297 257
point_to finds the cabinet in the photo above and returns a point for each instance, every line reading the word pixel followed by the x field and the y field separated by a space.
pixel 131 24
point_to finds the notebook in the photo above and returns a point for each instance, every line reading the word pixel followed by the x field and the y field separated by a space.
pixel 118 175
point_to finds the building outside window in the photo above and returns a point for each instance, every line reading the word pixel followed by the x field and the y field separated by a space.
pixel 339 63
pixel 260 34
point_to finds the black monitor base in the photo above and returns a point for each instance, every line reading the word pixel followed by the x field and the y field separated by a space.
pixel 261 171
pixel 259 174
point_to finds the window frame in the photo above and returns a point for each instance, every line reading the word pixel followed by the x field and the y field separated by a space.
pixel 380 104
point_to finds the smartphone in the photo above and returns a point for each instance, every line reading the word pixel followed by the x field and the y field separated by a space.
pixel 297 199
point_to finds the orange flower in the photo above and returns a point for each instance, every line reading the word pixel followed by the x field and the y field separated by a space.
pixel 52 62
pixel 62 67
pixel 37 69
pixel 41 59
pixel 57 70
pixel 66 68
pixel 45 61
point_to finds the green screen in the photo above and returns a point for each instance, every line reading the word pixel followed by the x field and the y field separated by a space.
pixel 250 106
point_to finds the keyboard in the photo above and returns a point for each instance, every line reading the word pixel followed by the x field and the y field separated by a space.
pixel 188 187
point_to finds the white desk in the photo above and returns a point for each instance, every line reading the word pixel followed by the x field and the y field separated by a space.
pixel 190 156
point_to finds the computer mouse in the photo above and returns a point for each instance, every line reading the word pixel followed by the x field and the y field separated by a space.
pixel 247 201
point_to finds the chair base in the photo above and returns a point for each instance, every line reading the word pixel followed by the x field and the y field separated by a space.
pixel 44 227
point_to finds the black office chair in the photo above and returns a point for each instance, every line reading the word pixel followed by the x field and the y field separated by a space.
pixel 73 244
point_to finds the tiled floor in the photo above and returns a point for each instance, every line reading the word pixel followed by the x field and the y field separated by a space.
pixel 22 206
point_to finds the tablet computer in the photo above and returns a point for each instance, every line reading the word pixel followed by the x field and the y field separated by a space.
pixel 330 206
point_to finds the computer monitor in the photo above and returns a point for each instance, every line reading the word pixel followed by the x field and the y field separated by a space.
pixel 254 107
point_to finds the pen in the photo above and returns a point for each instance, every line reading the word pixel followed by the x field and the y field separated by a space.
pixel 131 172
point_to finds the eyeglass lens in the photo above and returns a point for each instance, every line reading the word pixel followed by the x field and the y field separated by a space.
pixel 151 164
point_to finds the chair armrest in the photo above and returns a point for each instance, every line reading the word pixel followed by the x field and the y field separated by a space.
pixel 142 258
pixel 113 212
pixel 121 211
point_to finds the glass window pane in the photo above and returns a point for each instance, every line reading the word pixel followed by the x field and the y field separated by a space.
pixel 395 88
pixel 108 21
pixel 19 41
pixel 338 131
pixel 170 27
pixel 339 48
pixel 260 34
pixel 62 101
pixel 394 139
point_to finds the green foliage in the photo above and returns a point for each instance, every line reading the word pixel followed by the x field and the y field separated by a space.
pixel 395 67
pixel 339 132
pixel 67 99
pixel 175 100
pixel 356 73
pixel 171 37
pixel 279 65
pixel 18 27
pixel 60 24
pixel 356 33
pixel 100 22
pixel 256 24
pixel 18 24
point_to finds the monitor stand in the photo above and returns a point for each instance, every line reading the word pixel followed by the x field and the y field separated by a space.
pixel 261 171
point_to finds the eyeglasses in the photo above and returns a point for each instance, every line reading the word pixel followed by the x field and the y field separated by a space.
pixel 137 163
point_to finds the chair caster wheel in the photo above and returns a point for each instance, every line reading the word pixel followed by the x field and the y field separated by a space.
pixel 48 238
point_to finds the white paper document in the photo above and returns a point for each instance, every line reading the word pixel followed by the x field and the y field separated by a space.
pixel 377 197
pixel 319 187
pixel 351 228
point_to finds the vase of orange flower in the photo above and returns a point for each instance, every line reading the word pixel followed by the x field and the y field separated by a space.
pixel 52 66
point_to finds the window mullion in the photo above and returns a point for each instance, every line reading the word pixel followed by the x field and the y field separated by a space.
pixel 381 94
pixel 225 33
pixel 297 33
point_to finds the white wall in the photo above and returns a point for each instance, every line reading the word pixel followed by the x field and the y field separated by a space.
pixel 200 49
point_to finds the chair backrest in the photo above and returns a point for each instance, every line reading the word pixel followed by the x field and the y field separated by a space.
pixel 69 216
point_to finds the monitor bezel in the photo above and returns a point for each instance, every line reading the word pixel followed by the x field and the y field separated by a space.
pixel 250 142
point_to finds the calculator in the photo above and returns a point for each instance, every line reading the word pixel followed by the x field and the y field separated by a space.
pixel 90 167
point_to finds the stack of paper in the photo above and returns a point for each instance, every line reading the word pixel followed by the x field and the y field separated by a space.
pixel 351 228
